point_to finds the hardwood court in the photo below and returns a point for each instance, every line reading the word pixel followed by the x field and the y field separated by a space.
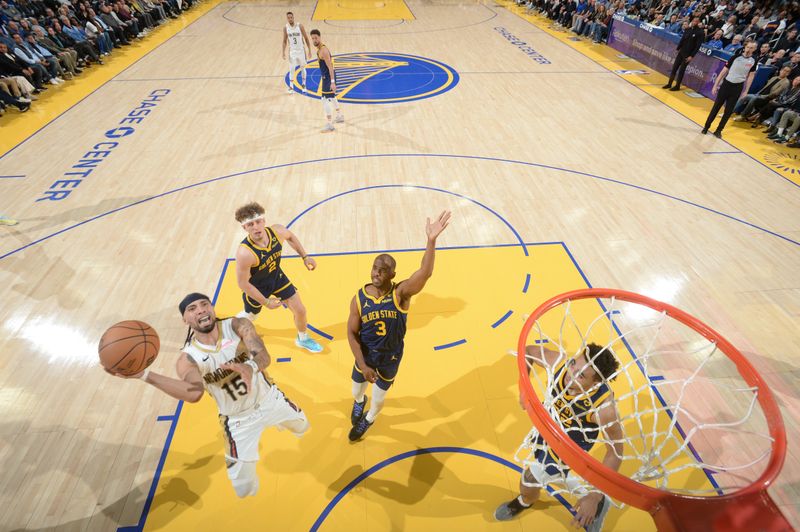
pixel 559 173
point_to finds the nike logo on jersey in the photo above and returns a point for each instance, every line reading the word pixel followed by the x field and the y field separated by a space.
pixel 205 359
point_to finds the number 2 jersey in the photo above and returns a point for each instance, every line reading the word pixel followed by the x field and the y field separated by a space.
pixel 383 326
pixel 225 386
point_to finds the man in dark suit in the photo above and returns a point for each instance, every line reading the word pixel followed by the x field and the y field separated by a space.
pixel 690 42
pixel 11 66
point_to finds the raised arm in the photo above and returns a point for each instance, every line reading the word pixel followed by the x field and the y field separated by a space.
pixel 252 341
pixel 284 234
pixel 255 346
pixel 353 331
pixel 414 284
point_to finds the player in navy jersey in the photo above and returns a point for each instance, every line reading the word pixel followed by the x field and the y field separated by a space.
pixel 376 328
pixel 327 82
pixel 585 403
pixel 259 273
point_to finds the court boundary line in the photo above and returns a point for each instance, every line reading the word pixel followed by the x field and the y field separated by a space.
pixel 629 82
pixel 106 82
pixel 389 155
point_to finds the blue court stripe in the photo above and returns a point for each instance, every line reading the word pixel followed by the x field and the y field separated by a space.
pixel 321 333
pixel 410 155
pixel 11 176
pixel 438 248
pixel 503 318
pixel 656 377
pixel 283 359
pixel 541 341
pixel 451 344
pixel 616 312
pixel 408 454
pixel 166 418
pixel 721 152
pixel 527 283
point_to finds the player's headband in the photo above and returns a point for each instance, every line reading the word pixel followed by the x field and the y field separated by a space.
pixel 253 219
pixel 191 298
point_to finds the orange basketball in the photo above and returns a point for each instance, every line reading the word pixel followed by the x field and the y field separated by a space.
pixel 128 347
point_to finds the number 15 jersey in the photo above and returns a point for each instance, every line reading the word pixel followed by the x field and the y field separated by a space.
pixel 225 386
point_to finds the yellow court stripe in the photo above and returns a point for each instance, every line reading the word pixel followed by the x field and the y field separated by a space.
pixel 784 161
pixel 362 10
pixel 51 104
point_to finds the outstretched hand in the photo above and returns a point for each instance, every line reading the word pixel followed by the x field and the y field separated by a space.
pixel 434 229
pixel 586 510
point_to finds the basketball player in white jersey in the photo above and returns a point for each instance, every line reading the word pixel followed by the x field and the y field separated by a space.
pixel 295 36
pixel 227 359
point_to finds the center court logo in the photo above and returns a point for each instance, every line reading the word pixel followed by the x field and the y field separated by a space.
pixel 380 78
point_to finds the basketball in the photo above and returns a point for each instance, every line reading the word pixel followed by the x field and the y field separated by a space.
pixel 128 347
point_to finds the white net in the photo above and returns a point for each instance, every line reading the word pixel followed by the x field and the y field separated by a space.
pixel 689 423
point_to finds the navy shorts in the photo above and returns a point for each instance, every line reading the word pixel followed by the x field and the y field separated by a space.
pixel 279 286
pixel 326 88
pixel 386 366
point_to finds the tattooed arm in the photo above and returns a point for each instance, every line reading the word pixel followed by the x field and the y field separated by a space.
pixel 255 346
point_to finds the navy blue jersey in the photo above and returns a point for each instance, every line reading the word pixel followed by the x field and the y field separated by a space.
pixel 383 325
pixel 324 71
pixel 268 267
pixel 576 412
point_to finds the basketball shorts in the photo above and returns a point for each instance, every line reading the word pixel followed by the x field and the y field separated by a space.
pixel 277 285
pixel 326 91
pixel 243 432
pixel 386 366
pixel 297 60
pixel 547 468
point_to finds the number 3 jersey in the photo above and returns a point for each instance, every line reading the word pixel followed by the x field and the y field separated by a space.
pixel 383 326
pixel 226 386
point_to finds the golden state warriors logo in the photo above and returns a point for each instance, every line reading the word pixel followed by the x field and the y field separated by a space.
pixel 787 163
pixel 380 78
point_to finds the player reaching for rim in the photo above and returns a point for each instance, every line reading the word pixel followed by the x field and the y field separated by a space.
pixel 585 405
pixel 376 328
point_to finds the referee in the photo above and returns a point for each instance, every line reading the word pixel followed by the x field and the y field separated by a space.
pixel 737 74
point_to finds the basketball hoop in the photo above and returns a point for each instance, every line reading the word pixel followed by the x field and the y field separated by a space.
pixel 667 434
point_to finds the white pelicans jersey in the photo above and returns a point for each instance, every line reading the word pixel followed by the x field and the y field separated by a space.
pixel 225 386
pixel 295 37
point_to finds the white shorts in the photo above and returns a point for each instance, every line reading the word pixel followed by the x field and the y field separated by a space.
pixel 297 59
pixel 243 432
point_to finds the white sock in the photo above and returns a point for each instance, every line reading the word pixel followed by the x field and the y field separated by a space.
pixel 523 502
pixel 378 396
pixel 304 77
pixel 359 388
pixel 780 131
pixel 303 336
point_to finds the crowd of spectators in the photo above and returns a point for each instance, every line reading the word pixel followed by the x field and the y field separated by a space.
pixel 45 42
pixel 726 25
